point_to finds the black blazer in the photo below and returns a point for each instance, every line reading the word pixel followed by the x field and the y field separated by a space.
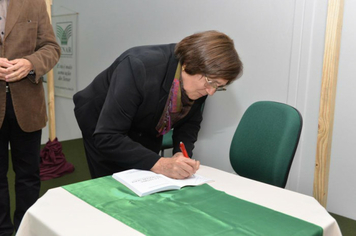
pixel 124 103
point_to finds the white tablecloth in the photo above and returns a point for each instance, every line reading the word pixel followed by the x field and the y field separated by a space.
pixel 58 212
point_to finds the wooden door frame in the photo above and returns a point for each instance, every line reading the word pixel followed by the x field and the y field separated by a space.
pixel 327 99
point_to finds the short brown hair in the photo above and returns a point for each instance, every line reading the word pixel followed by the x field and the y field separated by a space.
pixel 211 54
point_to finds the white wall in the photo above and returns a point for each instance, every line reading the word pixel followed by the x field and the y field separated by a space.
pixel 342 172
pixel 280 42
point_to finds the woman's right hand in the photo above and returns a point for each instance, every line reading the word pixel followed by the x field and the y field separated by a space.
pixel 176 167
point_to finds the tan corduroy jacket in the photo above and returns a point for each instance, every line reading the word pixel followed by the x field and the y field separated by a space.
pixel 29 35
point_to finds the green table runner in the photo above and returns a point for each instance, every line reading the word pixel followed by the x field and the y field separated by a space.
pixel 200 210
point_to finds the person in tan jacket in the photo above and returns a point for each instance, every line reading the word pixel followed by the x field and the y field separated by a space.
pixel 28 50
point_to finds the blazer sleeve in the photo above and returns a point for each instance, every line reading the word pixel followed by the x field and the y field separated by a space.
pixel 124 97
pixel 187 130
pixel 47 51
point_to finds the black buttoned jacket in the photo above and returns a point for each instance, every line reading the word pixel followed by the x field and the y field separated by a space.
pixel 120 109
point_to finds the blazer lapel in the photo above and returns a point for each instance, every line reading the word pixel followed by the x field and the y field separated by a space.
pixel 15 9
pixel 165 89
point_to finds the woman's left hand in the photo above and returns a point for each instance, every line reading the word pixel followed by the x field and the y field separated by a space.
pixel 176 167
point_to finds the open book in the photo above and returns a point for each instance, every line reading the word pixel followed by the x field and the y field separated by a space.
pixel 145 182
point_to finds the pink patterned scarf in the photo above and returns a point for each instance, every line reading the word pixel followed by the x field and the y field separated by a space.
pixel 173 104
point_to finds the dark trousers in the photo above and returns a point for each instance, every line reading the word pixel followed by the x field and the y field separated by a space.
pixel 25 153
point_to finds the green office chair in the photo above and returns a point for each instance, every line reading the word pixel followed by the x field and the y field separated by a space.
pixel 265 142
pixel 167 141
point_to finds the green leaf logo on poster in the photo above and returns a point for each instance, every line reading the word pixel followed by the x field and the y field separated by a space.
pixel 64 34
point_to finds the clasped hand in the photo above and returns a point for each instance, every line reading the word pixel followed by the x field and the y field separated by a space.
pixel 176 167
pixel 14 70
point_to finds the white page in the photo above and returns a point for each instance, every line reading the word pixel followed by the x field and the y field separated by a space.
pixel 144 182
pixel 191 181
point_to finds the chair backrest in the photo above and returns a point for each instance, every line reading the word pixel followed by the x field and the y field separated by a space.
pixel 167 141
pixel 265 142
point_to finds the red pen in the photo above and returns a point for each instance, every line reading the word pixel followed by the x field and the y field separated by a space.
pixel 182 148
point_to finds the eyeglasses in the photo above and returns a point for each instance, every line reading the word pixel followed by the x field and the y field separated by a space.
pixel 210 83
